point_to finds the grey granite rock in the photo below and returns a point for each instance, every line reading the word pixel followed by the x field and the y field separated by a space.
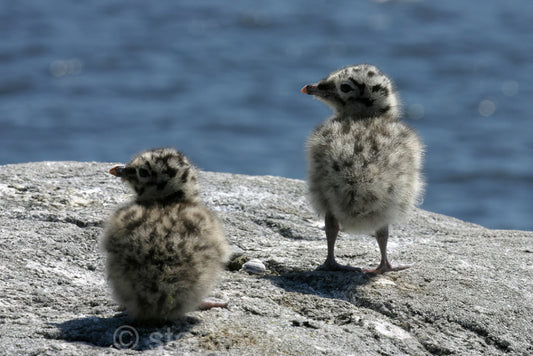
pixel 469 293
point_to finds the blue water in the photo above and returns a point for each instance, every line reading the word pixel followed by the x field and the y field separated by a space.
pixel 102 80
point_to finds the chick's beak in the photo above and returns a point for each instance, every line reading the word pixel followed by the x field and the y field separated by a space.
pixel 117 171
pixel 309 89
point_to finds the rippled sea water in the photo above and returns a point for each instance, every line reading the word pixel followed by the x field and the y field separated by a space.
pixel 220 81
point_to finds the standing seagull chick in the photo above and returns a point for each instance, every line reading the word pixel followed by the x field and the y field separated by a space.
pixel 165 250
pixel 364 165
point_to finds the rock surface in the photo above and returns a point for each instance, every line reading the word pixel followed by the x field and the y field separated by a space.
pixel 469 293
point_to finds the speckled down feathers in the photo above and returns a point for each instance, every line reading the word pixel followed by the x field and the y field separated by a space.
pixel 366 173
pixel 171 175
pixel 163 257
pixel 364 168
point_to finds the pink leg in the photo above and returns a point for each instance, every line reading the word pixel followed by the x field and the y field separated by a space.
pixel 209 303
pixel 332 230
pixel 382 235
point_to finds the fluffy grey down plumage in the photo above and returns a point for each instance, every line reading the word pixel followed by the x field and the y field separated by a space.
pixel 165 249
pixel 364 164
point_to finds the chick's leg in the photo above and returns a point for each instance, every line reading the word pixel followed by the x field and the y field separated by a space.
pixel 382 235
pixel 332 230
pixel 209 303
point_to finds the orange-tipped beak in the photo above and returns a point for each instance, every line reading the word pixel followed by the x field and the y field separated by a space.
pixel 117 171
pixel 308 89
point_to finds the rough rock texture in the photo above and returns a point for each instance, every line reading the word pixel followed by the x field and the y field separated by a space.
pixel 470 292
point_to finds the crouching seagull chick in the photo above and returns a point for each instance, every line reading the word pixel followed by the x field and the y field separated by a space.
pixel 165 249
pixel 364 164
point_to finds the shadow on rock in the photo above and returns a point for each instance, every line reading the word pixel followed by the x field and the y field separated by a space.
pixel 120 332
pixel 322 283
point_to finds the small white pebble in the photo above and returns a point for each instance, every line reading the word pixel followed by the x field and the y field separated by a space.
pixel 254 266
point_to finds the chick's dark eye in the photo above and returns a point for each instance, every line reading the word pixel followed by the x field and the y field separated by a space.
pixel 143 173
pixel 345 88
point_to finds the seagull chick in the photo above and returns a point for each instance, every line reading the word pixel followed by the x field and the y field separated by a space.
pixel 364 164
pixel 165 250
